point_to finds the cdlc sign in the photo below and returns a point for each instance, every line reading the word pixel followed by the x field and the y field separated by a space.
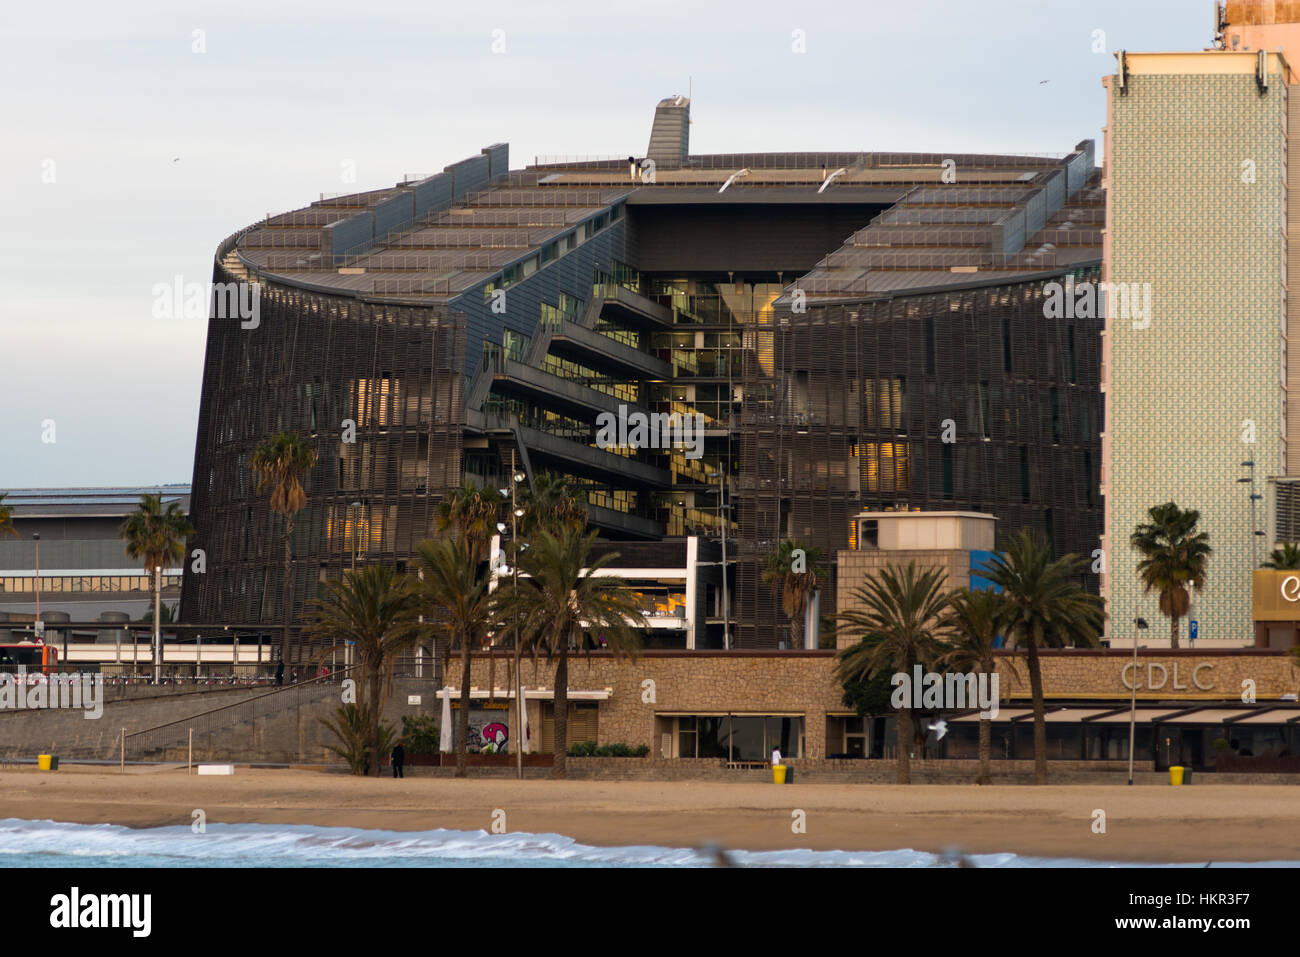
pixel 1155 682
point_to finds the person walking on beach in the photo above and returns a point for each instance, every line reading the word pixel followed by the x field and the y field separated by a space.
pixel 399 759
pixel 279 674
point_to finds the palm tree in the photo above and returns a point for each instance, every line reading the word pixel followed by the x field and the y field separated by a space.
pixel 155 536
pixel 1285 558
pixel 549 505
pixel 1045 606
pixel 454 595
pixel 6 518
pixel 794 578
pixel 283 462
pixel 976 619
pixel 371 609
pixel 561 596
pixel 472 511
pixel 1174 555
pixel 901 624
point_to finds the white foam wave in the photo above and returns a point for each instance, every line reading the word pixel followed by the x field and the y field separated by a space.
pixel 53 843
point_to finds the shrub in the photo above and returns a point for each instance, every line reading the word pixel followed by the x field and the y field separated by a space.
pixel 353 728
pixel 589 749
pixel 420 734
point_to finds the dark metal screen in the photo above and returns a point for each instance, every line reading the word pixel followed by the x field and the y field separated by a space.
pixel 312 362
pixel 846 407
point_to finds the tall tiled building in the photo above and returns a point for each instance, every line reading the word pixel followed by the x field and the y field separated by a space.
pixel 1195 384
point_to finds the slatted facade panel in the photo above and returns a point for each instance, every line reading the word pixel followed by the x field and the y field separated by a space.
pixel 330 369
pixel 968 400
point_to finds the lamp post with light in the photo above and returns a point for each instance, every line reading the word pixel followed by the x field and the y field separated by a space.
pixel 521 716
pixel 1140 624
pixel 722 523
pixel 38 627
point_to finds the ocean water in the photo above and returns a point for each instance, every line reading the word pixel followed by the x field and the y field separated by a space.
pixel 52 844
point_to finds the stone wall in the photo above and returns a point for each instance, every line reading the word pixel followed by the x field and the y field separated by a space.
pixel 1192 675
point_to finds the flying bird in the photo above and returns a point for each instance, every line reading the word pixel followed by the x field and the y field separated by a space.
pixel 941 727
pixel 176 159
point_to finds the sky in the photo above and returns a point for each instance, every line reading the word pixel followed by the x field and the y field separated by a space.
pixel 135 137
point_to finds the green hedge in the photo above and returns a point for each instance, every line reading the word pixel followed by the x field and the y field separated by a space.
pixel 589 749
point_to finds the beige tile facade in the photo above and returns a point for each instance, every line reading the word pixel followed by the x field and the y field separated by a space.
pixel 855 567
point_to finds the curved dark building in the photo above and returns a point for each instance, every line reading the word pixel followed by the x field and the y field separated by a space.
pixel 441 329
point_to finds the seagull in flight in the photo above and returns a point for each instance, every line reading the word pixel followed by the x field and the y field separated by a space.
pixel 940 727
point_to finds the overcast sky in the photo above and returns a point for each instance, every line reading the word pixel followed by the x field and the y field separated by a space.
pixel 131 145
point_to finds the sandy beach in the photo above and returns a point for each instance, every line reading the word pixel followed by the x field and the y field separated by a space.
pixel 1150 823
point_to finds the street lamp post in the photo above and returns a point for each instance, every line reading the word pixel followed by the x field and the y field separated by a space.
pixel 37 630
pixel 722 523
pixel 1140 624
pixel 521 710
pixel 157 622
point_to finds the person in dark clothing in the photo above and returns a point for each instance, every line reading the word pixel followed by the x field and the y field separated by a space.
pixel 279 673
pixel 399 759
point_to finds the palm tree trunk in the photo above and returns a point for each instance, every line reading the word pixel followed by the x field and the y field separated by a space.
pixel 288 588
pixel 462 719
pixel 1040 716
pixel 986 742
pixel 1173 631
pixel 796 631
pixel 375 717
pixel 558 768
pixel 904 743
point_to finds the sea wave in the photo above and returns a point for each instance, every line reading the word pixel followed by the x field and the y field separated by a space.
pixel 25 843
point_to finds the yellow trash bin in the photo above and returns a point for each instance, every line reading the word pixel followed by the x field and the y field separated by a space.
pixel 1175 775
pixel 778 774
pixel 43 761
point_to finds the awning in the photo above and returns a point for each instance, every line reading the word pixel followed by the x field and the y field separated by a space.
pixel 530 694
pixel 1072 715
pixel 737 714
pixel 1004 714
pixel 1268 716
pixel 1206 716
pixel 1144 716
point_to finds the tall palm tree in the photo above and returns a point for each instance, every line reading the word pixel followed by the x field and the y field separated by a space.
pixel 372 609
pixel 976 620
pixel 901 624
pixel 453 593
pixel 1174 556
pixel 155 536
pixel 794 578
pixel 561 596
pixel 7 518
pixel 548 504
pixel 282 463
pixel 1045 606
pixel 472 511
pixel 1286 558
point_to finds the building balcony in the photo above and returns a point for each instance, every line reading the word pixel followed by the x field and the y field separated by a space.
pixel 576 342
pixel 556 393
